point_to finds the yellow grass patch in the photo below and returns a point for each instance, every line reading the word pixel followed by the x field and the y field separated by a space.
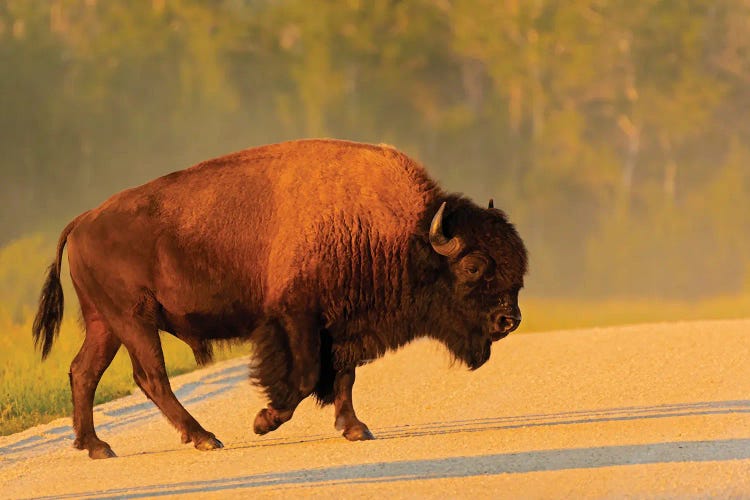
pixel 34 392
pixel 556 314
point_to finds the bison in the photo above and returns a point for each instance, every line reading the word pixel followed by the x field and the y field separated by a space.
pixel 324 254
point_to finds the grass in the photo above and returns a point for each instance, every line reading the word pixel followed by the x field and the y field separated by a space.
pixel 34 392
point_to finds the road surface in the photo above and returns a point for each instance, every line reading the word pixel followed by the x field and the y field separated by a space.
pixel 658 410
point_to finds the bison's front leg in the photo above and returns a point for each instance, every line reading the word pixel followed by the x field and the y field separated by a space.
pixel 346 419
pixel 303 332
pixel 288 367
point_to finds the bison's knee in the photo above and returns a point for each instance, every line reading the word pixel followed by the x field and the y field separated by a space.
pixel 307 383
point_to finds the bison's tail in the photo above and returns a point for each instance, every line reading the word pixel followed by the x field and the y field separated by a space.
pixel 49 316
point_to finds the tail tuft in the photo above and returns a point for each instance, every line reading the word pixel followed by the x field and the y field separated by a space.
pixel 49 316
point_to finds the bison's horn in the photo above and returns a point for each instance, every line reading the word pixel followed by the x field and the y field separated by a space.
pixel 492 203
pixel 442 245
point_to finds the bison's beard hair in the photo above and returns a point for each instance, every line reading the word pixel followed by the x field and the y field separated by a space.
pixel 470 348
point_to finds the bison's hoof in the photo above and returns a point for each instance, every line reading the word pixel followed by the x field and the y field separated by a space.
pixel 209 443
pixel 96 448
pixel 101 452
pixel 358 433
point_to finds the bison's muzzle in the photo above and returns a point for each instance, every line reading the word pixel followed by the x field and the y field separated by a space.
pixel 504 324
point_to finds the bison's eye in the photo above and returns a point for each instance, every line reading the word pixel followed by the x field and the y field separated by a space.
pixel 473 266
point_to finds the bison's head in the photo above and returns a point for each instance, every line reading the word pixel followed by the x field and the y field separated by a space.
pixel 487 262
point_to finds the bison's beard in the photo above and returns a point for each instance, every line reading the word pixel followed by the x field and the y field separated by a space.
pixel 473 349
pixel 479 355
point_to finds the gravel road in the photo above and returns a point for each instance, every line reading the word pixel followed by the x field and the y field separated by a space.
pixel 660 410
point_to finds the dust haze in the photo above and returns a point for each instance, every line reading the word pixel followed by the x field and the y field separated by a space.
pixel 614 135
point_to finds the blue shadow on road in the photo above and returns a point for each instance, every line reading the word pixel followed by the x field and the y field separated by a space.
pixel 454 467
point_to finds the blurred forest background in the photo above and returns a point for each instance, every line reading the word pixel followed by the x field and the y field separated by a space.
pixel 616 134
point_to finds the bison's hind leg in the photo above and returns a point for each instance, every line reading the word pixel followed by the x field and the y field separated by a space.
pixel 136 327
pixel 98 349
pixel 150 374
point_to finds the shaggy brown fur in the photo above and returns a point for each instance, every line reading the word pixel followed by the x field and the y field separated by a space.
pixel 318 251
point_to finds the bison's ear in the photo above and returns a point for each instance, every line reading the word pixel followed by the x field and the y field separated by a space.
pixel 492 203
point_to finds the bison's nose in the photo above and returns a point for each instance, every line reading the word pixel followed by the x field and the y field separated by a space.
pixel 504 325
pixel 510 323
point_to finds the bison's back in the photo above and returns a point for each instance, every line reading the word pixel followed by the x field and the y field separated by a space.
pixel 298 183
pixel 252 222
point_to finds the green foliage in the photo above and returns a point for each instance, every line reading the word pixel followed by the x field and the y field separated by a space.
pixel 22 265
pixel 608 130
